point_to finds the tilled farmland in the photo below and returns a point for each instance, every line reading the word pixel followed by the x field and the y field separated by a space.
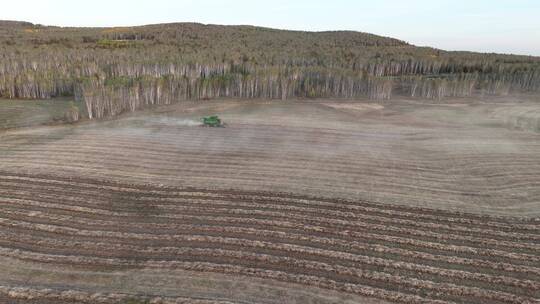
pixel 396 253
pixel 363 207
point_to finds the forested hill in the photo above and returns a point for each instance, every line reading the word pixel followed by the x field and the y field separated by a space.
pixel 125 68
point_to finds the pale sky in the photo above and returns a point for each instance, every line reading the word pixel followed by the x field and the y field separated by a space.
pixel 502 26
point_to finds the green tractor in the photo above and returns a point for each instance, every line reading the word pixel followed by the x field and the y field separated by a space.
pixel 212 121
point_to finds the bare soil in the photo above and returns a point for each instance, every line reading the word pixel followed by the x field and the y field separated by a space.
pixel 293 202
pixel 462 157
pixel 30 113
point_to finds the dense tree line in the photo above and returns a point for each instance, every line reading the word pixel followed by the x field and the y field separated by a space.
pixel 114 70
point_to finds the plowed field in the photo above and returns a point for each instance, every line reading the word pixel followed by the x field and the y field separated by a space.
pixel 301 202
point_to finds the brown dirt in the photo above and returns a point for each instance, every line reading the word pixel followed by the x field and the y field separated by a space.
pixel 395 253
pixel 296 202
pixel 435 156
